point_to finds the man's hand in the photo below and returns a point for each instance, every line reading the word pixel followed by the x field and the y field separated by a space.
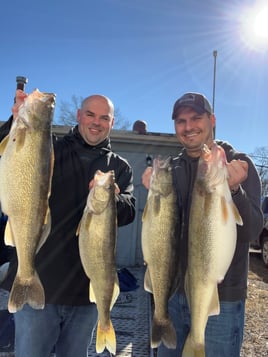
pixel 146 177
pixel 238 172
pixel 19 99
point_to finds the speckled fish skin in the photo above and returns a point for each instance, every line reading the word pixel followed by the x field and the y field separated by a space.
pixel 26 169
pixel 160 250
pixel 212 242
pixel 97 245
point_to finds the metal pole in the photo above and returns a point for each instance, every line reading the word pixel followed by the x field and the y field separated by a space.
pixel 214 85
pixel 214 80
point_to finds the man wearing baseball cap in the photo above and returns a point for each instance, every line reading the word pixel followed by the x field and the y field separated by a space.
pixel 194 123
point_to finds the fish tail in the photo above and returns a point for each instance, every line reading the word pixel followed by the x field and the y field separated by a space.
pixel 106 338
pixel 163 332
pixel 189 350
pixel 24 291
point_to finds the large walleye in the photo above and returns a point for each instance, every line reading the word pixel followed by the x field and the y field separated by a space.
pixel 25 179
pixel 160 250
pixel 97 245
pixel 212 242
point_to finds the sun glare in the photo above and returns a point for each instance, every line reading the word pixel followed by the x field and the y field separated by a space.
pixel 254 27
pixel 261 23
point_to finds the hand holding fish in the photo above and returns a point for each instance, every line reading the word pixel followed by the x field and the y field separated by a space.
pixel 237 172
pixel 19 100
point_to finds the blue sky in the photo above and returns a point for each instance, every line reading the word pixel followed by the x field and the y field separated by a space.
pixel 143 54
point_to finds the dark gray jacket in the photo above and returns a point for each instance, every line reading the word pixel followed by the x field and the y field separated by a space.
pixel 58 262
pixel 247 200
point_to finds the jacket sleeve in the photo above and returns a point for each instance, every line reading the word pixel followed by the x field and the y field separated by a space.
pixel 125 199
pixel 248 202
pixel 5 128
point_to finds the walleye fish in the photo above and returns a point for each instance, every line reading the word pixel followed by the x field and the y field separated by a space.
pixel 97 245
pixel 25 179
pixel 212 242
pixel 160 250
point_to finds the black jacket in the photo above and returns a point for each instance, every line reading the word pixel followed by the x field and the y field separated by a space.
pixel 58 262
pixel 247 200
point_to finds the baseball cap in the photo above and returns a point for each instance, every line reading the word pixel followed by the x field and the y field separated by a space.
pixel 197 101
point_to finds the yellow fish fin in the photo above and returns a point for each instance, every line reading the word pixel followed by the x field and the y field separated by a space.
pixel 8 235
pixel 214 308
pixel 45 230
pixel 92 296
pixel 236 213
pixel 3 144
pixel 78 228
pixel 148 282
pixel 106 338
pixel 116 293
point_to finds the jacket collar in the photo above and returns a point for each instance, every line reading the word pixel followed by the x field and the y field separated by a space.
pixel 105 144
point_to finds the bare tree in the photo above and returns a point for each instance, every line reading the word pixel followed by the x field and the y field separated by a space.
pixel 68 112
pixel 260 158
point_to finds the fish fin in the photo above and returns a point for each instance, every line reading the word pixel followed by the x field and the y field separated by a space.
pixel 214 307
pixel 92 297
pixel 106 338
pixel 24 291
pixel 116 293
pixel 3 144
pixel 87 216
pixel 78 228
pixel 45 231
pixel 190 351
pixel 225 212
pixel 148 282
pixel 163 331
pixel 9 240
pixel 52 160
pixel 237 216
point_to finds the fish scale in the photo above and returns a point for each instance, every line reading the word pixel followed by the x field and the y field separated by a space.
pixel 26 168
pixel 160 250
pixel 211 245
pixel 97 245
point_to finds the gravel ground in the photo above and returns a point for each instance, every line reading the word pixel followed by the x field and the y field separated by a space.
pixel 256 325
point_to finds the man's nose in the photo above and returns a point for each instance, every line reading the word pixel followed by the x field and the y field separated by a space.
pixel 96 120
pixel 188 125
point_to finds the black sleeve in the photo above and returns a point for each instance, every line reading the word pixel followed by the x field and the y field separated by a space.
pixel 5 128
pixel 126 200
pixel 248 202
